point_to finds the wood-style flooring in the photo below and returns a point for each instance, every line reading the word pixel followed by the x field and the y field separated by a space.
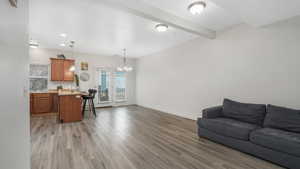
pixel 130 137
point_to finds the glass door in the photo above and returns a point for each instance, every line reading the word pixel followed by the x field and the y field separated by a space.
pixel 111 87
pixel 120 87
pixel 104 86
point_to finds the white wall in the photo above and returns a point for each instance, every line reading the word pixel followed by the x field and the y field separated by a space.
pixel 42 56
pixel 245 64
pixel 14 107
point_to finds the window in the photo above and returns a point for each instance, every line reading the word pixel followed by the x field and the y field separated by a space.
pixel 103 86
pixel 120 86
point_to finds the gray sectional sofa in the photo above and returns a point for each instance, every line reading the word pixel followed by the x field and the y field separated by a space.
pixel 268 132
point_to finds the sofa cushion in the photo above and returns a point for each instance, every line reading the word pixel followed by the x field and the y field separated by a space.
pixel 282 118
pixel 228 127
pixel 250 113
pixel 279 140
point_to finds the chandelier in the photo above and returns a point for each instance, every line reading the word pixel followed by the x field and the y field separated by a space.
pixel 124 67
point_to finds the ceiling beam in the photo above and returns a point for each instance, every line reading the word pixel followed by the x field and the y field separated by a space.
pixel 141 9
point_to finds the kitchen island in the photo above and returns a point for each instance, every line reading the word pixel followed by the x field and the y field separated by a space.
pixel 67 104
pixel 69 107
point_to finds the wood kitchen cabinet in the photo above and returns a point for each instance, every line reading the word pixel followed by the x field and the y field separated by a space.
pixel 60 69
pixel 68 75
pixel 57 69
pixel 54 106
pixel 43 103
pixel 40 103
pixel 70 108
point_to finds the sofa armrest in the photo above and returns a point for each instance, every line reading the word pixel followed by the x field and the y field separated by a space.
pixel 212 112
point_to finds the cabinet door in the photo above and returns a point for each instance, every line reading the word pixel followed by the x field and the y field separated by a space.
pixel 70 108
pixel 57 69
pixel 64 108
pixel 76 108
pixel 32 110
pixel 68 75
pixel 54 98
pixel 41 103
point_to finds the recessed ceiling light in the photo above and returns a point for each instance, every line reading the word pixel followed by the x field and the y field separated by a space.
pixel 161 27
pixel 197 7
pixel 63 35
pixel 62 44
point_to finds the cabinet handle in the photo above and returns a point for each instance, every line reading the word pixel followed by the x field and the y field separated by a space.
pixel 78 97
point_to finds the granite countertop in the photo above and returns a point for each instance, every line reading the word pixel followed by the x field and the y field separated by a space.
pixel 62 92
pixel 66 93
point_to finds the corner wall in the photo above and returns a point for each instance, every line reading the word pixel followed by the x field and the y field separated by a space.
pixel 14 105
pixel 245 64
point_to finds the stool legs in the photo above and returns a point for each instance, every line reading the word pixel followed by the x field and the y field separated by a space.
pixel 94 110
pixel 84 104
pixel 91 106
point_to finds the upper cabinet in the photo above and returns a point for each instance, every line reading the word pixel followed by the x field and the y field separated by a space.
pixel 68 75
pixel 57 69
pixel 60 69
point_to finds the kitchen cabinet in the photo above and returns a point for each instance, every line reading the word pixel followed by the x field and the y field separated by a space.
pixel 68 75
pixel 43 103
pixel 70 108
pixel 54 106
pixel 57 69
pixel 40 103
pixel 60 69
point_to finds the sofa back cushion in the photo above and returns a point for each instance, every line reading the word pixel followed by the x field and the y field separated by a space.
pixel 250 113
pixel 282 118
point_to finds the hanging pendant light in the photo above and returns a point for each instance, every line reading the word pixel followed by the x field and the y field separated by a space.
pixel 72 68
pixel 124 67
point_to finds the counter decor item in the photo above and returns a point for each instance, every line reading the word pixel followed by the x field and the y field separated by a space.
pixel 60 87
pixel 61 56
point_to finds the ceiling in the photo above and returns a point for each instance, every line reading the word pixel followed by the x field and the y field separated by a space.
pixel 99 28
pixel 12 28
pixel 261 12
pixel 213 17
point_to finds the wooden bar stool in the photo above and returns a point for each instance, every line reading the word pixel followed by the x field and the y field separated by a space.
pixel 90 99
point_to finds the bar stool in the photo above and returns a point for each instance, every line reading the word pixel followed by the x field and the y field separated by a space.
pixel 90 99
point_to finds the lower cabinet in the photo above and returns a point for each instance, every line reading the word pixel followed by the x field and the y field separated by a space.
pixel 40 103
pixel 70 108
pixel 43 103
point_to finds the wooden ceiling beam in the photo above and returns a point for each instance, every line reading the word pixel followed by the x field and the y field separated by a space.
pixel 141 9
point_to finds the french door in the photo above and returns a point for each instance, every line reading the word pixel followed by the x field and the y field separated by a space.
pixel 111 87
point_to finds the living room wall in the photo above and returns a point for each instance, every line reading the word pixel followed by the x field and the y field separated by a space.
pixel 14 105
pixel 257 65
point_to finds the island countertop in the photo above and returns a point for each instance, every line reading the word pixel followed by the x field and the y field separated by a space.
pixel 63 92
pixel 66 93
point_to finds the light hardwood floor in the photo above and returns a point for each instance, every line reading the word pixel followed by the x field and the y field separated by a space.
pixel 130 138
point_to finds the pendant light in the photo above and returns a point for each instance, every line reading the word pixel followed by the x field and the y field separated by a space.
pixel 124 67
pixel 72 68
